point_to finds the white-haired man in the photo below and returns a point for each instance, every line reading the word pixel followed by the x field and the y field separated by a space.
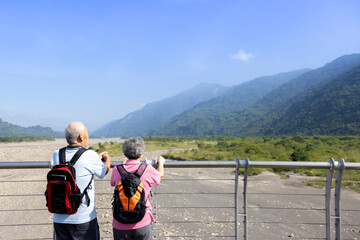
pixel 83 224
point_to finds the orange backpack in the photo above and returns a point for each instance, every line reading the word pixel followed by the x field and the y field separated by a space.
pixel 129 203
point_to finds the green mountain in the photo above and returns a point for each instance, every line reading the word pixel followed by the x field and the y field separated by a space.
pixel 235 99
pixel 141 122
pixel 259 118
pixel 330 109
pixel 255 119
pixel 203 118
pixel 10 130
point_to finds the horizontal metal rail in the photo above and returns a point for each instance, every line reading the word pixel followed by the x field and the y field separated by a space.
pixel 25 164
pixel 209 164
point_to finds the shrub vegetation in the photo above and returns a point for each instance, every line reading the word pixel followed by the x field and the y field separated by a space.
pixel 298 148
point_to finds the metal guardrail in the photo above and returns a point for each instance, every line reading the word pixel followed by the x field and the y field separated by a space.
pixel 330 166
pixel 212 164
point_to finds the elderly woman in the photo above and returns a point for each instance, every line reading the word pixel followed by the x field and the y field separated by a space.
pixel 134 148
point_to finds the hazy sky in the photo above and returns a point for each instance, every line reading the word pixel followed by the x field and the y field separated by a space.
pixel 96 61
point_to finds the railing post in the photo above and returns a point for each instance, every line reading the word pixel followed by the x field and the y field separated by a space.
pixel 339 174
pixel 156 213
pixel 236 197
pixel 246 173
pixel 153 163
pixel 329 176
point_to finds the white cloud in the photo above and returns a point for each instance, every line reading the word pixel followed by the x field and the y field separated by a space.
pixel 242 55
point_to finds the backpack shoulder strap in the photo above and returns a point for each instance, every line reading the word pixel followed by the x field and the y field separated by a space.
pixel 140 171
pixel 62 156
pixel 121 169
pixel 77 155
pixel 85 192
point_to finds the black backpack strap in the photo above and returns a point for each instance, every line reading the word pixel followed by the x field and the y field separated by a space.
pixel 62 156
pixel 121 169
pixel 86 189
pixel 139 172
pixel 73 160
pixel 141 169
pixel 77 155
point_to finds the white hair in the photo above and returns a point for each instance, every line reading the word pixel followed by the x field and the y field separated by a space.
pixel 133 147
pixel 73 130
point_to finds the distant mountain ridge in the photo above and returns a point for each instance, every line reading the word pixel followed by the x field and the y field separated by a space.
pixel 259 117
pixel 267 114
pixel 10 130
pixel 202 116
pixel 141 122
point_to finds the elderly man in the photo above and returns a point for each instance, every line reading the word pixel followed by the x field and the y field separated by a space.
pixel 83 224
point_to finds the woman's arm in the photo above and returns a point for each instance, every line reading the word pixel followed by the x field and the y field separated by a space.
pixel 160 167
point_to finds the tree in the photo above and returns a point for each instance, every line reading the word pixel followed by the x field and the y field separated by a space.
pixel 300 154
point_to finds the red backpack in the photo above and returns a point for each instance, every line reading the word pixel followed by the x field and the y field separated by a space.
pixel 62 194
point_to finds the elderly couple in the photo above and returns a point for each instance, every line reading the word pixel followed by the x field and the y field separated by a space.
pixel 83 224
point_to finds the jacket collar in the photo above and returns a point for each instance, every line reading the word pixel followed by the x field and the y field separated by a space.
pixel 76 146
pixel 132 161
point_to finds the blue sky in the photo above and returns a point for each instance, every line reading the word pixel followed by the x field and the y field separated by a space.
pixel 96 61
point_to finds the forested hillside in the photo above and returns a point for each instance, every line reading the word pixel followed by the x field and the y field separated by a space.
pixel 8 130
pixel 332 109
pixel 201 118
pixel 258 118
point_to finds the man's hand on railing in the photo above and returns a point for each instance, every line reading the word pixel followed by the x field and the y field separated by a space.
pixel 106 159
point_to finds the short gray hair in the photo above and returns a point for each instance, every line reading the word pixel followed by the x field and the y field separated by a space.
pixel 73 130
pixel 133 147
